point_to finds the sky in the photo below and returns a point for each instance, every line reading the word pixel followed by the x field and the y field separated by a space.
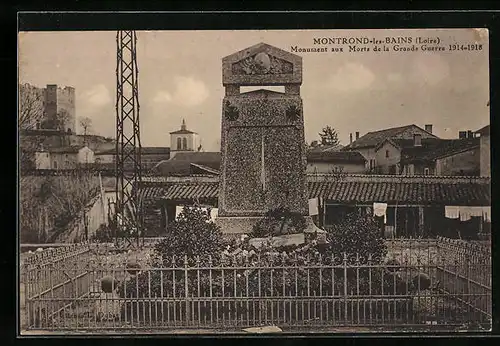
pixel 180 77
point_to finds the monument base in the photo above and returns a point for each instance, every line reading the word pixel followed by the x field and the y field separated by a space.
pixel 237 225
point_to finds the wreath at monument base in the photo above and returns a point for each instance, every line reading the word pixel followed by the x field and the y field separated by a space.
pixel 277 222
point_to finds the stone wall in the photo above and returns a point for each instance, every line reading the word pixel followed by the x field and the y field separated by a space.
pixel 94 215
pixel 385 157
pixel 327 167
pixel 464 163
pixel 485 156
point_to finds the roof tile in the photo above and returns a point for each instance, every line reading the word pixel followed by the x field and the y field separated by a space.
pixel 352 192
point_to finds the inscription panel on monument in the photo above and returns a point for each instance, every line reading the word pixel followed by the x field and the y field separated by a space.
pixel 264 155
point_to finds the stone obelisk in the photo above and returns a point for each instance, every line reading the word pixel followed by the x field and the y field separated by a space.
pixel 262 140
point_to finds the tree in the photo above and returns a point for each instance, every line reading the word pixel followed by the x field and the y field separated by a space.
pixel 329 136
pixel 86 125
pixel 30 116
pixel 58 199
pixel 193 233
pixel 30 107
pixel 357 235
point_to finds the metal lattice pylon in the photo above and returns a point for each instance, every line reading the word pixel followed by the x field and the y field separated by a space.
pixel 128 140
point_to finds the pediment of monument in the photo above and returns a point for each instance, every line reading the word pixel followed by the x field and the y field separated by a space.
pixel 262 64
pixel 262 93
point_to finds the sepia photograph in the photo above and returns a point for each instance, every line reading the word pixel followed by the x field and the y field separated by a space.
pixel 254 182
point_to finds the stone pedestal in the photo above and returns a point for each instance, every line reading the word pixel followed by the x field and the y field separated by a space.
pixel 313 232
pixel 236 224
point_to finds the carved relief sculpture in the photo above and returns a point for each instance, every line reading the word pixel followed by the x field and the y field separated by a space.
pixel 261 64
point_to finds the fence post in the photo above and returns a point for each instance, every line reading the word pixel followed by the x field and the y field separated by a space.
pixel 345 287
pixel 24 301
pixel 186 290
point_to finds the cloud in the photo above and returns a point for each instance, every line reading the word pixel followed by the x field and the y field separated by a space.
pixel 162 96
pixel 98 96
pixel 394 77
pixel 188 92
pixel 430 69
pixel 352 77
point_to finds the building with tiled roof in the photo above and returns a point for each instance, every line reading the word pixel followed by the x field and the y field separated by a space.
pixel 485 151
pixel 331 161
pixel 350 189
pixel 366 144
pixel 150 156
pixel 67 157
pixel 188 163
pixel 428 156
pixel 325 147
pixel 415 204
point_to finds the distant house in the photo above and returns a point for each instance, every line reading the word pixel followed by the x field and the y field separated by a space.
pixel 485 151
pixel 107 156
pixel 445 157
pixel 31 140
pixel 189 163
pixel 150 156
pixel 367 144
pixel 63 157
pixel 322 147
pixel 208 163
pixel 331 161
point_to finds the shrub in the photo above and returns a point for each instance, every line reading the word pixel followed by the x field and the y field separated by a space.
pixel 103 234
pixel 192 234
pixel 357 235
pixel 277 222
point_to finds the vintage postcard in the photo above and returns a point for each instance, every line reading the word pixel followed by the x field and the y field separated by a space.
pixel 254 182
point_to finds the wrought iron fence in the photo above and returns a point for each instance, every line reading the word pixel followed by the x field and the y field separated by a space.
pixel 426 285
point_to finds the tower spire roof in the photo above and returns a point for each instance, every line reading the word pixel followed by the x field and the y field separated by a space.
pixel 183 126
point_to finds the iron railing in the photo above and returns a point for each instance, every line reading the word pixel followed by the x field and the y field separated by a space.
pixel 425 284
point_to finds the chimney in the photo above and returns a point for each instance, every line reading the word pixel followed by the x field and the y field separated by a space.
pixel 428 128
pixel 417 140
pixel 462 134
pixel 350 138
pixel 357 135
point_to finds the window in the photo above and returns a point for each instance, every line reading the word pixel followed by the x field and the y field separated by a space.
pixel 184 143
pixel 179 144
pixel 426 171
pixel 387 153
pixel 372 163
pixel 55 164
